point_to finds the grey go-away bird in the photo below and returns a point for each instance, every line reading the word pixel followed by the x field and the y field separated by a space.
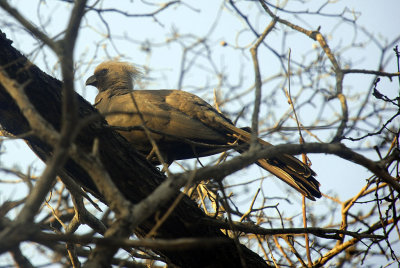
pixel 182 125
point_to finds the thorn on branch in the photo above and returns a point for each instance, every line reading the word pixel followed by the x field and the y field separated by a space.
pixel 376 92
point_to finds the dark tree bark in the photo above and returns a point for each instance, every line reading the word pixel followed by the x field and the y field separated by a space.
pixel 131 173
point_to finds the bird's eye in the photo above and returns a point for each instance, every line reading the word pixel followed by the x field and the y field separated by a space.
pixel 102 72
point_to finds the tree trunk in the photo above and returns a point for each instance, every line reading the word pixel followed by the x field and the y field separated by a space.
pixel 131 173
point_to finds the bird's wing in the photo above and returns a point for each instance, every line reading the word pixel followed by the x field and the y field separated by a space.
pixel 286 167
pixel 162 112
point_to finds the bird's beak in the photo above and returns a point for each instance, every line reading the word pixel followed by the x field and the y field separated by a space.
pixel 92 81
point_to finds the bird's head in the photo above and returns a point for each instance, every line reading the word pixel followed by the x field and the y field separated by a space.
pixel 113 75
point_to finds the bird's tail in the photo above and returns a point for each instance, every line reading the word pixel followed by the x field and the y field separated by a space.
pixel 286 167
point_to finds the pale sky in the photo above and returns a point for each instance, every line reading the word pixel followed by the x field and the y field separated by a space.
pixel 336 175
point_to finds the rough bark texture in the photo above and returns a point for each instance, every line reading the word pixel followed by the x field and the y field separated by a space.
pixel 131 173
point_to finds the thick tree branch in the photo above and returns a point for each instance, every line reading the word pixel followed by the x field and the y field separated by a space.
pixel 130 172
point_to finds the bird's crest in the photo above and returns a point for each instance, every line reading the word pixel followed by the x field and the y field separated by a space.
pixel 120 67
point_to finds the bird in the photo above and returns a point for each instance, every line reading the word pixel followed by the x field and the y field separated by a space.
pixel 182 125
